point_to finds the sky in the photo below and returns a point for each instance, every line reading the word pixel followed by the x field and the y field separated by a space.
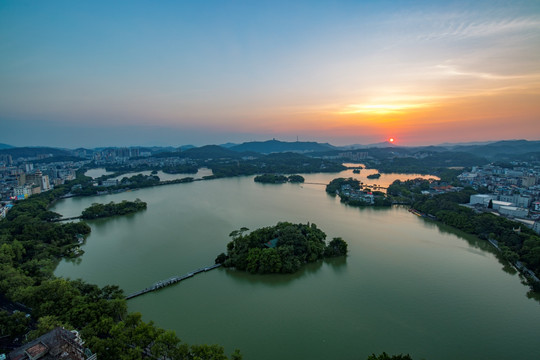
pixel 125 73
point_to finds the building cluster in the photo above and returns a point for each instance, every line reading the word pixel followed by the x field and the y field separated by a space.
pixel 115 155
pixel 357 195
pixel 513 192
pixel 58 344
pixel 26 176
pixel 134 158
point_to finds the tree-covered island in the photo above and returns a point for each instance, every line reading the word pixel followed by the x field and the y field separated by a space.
pixel 125 207
pixel 353 192
pixel 278 179
pixel 282 248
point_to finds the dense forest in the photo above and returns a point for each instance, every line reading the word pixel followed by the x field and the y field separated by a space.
pixel 30 248
pixel 282 248
pixel 111 209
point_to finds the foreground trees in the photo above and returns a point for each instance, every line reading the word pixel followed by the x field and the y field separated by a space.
pixel 282 248
pixel 385 356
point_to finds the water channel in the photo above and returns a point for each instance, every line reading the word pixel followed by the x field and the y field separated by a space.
pixel 408 285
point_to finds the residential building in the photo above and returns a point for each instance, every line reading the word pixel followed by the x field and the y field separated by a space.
pixel 58 344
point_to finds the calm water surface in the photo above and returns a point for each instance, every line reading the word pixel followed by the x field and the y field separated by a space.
pixel 407 286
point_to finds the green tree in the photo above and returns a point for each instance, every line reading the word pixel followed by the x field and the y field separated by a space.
pixel 385 356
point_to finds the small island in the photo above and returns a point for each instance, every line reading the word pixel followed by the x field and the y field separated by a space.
pixel 96 211
pixel 374 176
pixel 355 193
pixel 282 248
pixel 278 179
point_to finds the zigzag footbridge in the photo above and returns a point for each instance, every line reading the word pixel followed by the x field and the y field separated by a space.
pixel 170 281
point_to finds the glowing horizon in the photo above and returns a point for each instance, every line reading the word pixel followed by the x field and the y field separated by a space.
pixel 342 72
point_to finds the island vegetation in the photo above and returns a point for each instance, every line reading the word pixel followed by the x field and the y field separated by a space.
pixel 112 209
pixel 374 176
pixel 353 192
pixel 278 179
pixel 282 248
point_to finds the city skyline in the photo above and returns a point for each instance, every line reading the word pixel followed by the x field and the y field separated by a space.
pixel 135 73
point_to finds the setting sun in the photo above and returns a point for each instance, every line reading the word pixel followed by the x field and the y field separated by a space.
pixel 391 140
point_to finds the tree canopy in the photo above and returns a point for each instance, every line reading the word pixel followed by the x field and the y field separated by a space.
pixel 282 248
pixel 111 209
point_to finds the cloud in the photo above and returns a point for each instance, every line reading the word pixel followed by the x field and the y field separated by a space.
pixel 453 27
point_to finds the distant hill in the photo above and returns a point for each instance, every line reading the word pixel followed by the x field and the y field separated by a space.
pixel 210 151
pixel 276 146
pixel 17 152
pixel 5 146
pixel 447 144
pixel 228 145
pixel 505 148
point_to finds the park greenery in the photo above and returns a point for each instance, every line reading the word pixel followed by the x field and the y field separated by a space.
pixel 278 179
pixel 335 185
pixel 296 178
pixel 30 248
pixel 282 248
pixel 112 209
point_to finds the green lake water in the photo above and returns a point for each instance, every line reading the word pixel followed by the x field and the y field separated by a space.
pixel 408 285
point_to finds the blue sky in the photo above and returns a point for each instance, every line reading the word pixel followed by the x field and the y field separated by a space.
pixel 99 73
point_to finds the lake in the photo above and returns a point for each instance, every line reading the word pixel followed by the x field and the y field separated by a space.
pixel 408 285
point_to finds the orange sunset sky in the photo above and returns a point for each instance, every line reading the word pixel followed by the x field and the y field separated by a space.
pixel 172 73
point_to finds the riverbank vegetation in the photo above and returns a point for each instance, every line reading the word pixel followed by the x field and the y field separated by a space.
pixel 86 186
pixel 282 248
pixel 278 179
pixel 30 249
pixel 517 243
pixel 112 209
pixel 168 169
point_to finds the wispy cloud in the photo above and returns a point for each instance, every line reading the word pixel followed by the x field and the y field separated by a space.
pixel 455 71
pixel 454 27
